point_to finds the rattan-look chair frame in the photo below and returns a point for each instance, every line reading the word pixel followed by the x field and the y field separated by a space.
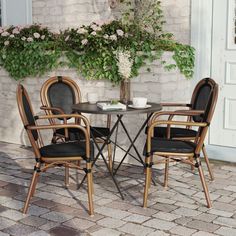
pixel 43 163
pixel 49 109
pixel 193 158
pixel 173 114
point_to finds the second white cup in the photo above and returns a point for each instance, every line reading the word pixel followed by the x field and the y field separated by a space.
pixel 139 102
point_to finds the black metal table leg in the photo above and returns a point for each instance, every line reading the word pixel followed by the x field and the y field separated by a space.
pixel 132 142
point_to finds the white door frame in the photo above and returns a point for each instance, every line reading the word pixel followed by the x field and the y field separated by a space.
pixel 201 40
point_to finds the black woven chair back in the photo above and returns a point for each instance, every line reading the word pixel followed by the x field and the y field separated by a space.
pixel 204 96
pixel 61 95
pixel 26 111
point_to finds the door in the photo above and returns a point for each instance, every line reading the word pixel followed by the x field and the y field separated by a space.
pixel 223 70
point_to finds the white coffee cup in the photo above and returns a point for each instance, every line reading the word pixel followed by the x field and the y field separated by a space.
pixel 92 98
pixel 139 102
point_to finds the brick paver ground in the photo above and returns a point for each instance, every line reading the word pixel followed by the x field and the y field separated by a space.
pixel 54 210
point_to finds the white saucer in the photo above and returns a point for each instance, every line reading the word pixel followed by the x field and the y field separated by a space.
pixel 132 106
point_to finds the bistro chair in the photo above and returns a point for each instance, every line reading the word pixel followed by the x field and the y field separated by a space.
pixel 198 103
pixel 58 94
pixel 60 154
pixel 178 150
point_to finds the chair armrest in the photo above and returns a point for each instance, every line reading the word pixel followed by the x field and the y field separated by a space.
pixel 178 123
pixel 171 114
pixel 64 116
pixel 175 104
pixel 59 110
pixel 85 129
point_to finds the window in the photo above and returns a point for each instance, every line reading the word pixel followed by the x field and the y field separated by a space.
pixel 15 12
pixel 0 13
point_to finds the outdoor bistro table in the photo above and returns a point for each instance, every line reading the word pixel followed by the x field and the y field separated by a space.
pixel 94 109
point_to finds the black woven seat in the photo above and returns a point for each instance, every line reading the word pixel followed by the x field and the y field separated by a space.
pixel 75 134
pixel 160 132
pixel 170 145
pixel 71 149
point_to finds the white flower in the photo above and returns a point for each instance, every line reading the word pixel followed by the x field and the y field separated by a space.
pixel 126 35
pixel 113 37
pixel 120 32
pixel 106 36
pixel 98 28
pixel 84 41
pixel 93 33
pixel 6 43
pixel 4 34
pixel 67 38
pixel 43 37
pixel 36 35
pixel 94 27
pixel 82 31
pixel 12 36
pixel 30 39
pixel 15 31
pixel 124 63
pixel 23 38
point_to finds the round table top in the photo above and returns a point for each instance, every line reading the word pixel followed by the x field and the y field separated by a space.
pixel 86 107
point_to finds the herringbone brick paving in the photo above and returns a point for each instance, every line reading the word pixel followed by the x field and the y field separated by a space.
pixel 54 210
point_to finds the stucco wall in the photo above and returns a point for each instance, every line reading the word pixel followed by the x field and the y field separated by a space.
pixel 157 86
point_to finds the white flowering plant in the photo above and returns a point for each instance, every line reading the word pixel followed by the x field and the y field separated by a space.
pixel 93 50
pixel 113 50
pixel 27 51
pixel 124 63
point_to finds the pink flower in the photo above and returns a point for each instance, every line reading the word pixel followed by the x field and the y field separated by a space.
pixel 6 43
pixel 84 41
pixel 4 34
pixel 30 39
pixel 120 32
pixel 36 35
pixel 15 31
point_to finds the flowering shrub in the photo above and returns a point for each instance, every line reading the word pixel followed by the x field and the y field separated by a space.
pixel 93 49
pixel 113 50
pixel 27 51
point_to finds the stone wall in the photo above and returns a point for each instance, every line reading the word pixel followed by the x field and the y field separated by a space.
pixel 157 85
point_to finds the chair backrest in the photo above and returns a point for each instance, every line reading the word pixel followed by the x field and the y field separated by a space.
pixel 204 98
pixel 60 92
pixel 28 118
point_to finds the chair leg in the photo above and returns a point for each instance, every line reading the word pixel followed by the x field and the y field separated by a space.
pixel 109 153
pixel 192 166
pixel 204 185
pixel 32 188
pixel 208 163
pixel 167 163
pixel 90 188
pixel 147 182
pixel 66 176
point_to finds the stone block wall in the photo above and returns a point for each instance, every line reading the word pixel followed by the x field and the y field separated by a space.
pixel 157 85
